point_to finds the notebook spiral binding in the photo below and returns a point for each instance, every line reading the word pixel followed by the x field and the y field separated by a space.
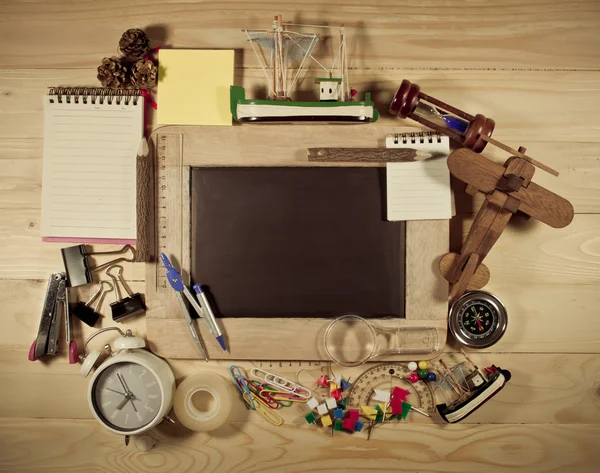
pixel 420 137
pixel 94 95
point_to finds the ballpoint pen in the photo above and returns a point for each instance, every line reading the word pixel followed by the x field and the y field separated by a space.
pixel 207 316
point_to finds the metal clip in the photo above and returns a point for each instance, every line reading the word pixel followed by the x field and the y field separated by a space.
pixel 77 265
pixel 263 408
pixel 281 383
pixel 85 312
pixel 126 307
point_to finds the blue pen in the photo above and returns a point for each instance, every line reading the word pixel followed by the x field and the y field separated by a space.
pixel 209 316
pixel 176 283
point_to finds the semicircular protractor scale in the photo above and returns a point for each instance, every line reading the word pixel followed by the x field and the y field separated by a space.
pixel 385 377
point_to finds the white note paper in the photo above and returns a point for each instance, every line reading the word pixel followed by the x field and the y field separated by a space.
pixel 89 169
pixel 419 190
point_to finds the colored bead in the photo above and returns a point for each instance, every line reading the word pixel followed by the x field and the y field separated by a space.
pixel 423 374
pixel 423 365
pixel 310 418
pixel 414 377
pixel 412 366
pixel 326 421
pixel 338 414
pixel 431 377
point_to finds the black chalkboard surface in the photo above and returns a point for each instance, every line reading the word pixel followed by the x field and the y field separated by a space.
pixel 296 242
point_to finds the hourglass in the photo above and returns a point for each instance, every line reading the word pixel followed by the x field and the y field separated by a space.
pixel 473 132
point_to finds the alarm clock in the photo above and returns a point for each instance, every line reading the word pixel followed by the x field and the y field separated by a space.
pixel 478 319
pixel 131 390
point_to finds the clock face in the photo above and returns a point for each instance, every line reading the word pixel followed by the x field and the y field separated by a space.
pixel 478 319
pixel 126 396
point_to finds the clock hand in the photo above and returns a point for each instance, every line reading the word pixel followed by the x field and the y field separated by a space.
pixel 114 391
pixel 131 399
pixel 123 402
pixel 122 382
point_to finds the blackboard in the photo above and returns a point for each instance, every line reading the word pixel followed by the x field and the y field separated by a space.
pixel 296 242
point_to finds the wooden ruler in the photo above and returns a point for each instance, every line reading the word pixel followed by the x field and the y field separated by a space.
pixel 170 189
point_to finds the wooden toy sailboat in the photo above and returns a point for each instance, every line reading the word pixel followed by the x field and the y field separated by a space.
pixel 283 55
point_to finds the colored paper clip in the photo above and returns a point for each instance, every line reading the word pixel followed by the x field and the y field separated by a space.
pixel 256 388
pixel 282 396
pixel 281 383
pixel 263 409
pixel 242 385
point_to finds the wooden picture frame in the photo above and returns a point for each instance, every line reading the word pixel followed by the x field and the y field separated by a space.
pixel 426 301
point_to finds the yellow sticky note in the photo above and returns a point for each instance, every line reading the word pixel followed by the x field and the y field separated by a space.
pixel 193 87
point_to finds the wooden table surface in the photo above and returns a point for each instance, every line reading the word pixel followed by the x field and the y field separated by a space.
pixel 532 65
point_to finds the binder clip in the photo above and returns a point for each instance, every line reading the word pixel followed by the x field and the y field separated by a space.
pixel 85 312
pixel 75 259
pixel 130 306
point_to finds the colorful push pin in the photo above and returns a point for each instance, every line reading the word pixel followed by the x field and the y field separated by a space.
pixel 322 409
pixel 396 405
pixel 326 421
pixel 342 403
pixel 337 394
pixel 338 425
pixel 399 393
pixel 338 414
pixel 412 366
pixel 345 384
pixel 331 403
pixel 358 426
pixel 310 418
pixel 323 381
pixel 353 414
pixel 348 424
pixel 423 365
pixel 333 386
pixel 431 377
pixel 423 374
pixel 405 409
pixel 312 403
pixel 368 412
pixel 413 378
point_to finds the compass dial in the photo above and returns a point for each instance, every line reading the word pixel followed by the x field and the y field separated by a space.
pixel 478 319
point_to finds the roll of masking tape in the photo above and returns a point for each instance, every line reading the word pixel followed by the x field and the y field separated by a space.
pixel 203 402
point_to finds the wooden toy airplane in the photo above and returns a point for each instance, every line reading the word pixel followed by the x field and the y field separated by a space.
pixel 508 189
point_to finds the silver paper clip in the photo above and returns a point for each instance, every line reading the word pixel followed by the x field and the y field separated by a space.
pixel 281 383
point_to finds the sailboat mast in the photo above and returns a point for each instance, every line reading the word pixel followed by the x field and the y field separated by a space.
pixel 279 91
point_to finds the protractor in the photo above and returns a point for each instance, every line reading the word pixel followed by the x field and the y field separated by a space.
pixel 385 377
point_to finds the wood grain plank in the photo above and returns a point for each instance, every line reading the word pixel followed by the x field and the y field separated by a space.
pixel 527 105
pixel 578 164
pixel 23 254
pixel 510 34
pixel 544 389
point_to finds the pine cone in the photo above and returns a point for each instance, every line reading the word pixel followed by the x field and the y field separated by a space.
pixel 143 74
pixel 134 43
pixel 113 73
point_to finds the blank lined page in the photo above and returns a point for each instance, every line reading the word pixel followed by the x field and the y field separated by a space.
pixel 419 190
pixel 89 169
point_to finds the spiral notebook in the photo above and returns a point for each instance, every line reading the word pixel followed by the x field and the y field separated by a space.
pixel 91 138
pixel 419 190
